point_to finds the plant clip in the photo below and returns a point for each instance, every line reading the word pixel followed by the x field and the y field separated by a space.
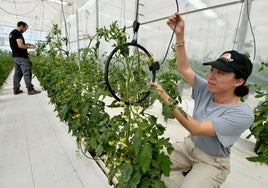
pixel 136 26
pixel 155 66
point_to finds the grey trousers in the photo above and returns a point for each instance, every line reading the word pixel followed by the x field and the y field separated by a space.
pixel 206 170
pixel 23 68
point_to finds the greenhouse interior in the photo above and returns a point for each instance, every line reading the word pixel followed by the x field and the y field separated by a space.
pixel 115 93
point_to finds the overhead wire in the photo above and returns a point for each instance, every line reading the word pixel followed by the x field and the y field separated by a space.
pixel 21 14
pixel 50 4
pixel 21 2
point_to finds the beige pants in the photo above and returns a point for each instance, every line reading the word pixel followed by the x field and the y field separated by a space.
pixel 207 171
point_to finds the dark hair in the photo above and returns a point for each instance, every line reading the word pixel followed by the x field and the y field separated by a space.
pixel 21 23
pixel 242 90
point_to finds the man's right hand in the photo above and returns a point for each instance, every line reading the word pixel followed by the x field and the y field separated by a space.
pixel 30 46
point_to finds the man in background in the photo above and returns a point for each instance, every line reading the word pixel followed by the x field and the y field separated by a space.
pixel 22 63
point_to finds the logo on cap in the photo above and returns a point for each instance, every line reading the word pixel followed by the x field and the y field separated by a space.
pixel 227 57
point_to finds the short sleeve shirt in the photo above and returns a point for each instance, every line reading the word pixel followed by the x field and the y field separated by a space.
pixel 228 120
pixel 16 51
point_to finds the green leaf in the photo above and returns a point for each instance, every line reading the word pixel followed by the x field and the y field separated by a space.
pixel 126 172
pixel 145 183
pixel 159 184
pixel 111 175
pixel 135 179
pixel 167 112
pixel 153 140
pixel 165 142
pixel 93 142
pixel 164 163
pixel 262 158
pixel 64 112
pixel 103 129
pixel 145 157
pixel 86 109
pixel 183 112
pixel 99 150
pixel 137 141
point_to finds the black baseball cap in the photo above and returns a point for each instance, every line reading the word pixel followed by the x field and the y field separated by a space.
pixel 233 61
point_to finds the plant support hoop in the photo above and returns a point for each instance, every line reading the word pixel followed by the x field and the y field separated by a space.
pixel 153 67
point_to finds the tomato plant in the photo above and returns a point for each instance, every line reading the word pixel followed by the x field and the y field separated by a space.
pixel 132 141
pixel 6 66
pixel 259 128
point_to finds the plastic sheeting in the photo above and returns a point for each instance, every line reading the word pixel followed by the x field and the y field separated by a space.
pixel 211 25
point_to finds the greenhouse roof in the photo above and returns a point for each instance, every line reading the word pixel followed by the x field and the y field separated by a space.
pixel 212 23
pixel 39 14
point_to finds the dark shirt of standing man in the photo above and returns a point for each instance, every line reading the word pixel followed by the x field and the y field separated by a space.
pixel 22 63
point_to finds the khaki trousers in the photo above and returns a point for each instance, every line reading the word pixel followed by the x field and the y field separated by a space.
pixel 206 171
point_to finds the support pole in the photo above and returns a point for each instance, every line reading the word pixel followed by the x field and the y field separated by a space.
pixel 77 29
pixel 97 14
pixel 97 20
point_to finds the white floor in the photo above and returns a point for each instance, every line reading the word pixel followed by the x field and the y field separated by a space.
pixel 36 150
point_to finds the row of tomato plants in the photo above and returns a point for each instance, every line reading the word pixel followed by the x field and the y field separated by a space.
pixel 132 141
pixel 6 66
pixel 259 128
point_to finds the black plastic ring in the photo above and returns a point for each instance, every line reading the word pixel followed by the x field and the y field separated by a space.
pixel 106 71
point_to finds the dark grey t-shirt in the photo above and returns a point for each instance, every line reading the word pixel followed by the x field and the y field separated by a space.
pixel 229 121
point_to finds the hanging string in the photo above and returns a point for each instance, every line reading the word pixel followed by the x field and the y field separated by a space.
pixel 65 26
pixel 123 13
pixel 252 32
pixel 250 26
pixel 237 25
pixel 171 38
